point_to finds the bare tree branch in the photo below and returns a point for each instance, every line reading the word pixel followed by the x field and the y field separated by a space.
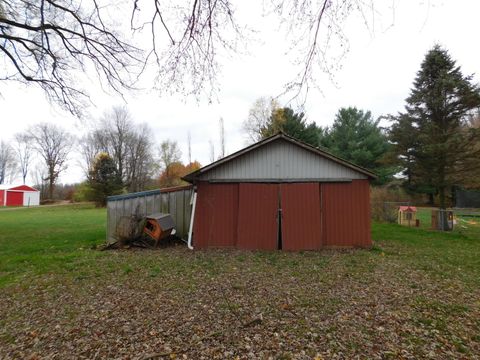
pixel 7 160
pixel 53 44
pixel 53 144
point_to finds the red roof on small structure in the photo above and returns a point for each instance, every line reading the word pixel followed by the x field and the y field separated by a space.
pixel 408 208
pixel 17 187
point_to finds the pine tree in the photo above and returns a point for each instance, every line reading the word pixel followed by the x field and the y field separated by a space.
pixel 355 136
pixel 103 179
pixel 444 150
pixel 404 143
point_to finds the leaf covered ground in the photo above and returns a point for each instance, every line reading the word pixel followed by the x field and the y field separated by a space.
pixel 416 294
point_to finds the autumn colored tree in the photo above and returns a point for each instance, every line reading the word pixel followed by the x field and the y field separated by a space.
pixel 172 176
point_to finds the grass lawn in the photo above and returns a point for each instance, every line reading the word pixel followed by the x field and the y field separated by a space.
pixel 416 294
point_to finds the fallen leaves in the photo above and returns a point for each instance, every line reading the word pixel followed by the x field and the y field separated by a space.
pixel 238 305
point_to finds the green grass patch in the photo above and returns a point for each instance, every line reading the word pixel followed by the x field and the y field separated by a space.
pixel 54 239
pixel 60 240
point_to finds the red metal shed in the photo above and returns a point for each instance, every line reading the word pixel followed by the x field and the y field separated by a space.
pixel 281 194
pixel 20 195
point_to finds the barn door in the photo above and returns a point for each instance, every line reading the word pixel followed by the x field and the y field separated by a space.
pixel 257 216
pixel 215 215
pixel 301 221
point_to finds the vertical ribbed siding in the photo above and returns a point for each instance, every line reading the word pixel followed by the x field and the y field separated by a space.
pixel 346 214
pixel 216 215
pixel 281 160
pixel 174 201
pixel 314 215
pixel 257 216
pixel 301 221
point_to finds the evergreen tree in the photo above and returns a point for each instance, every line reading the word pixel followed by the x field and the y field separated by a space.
pixel 443 149
pixel 293 124
pixel 355 136
pixel 103 179
pixel 402 151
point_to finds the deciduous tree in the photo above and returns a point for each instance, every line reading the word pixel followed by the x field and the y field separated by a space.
pixel 221 125
pixel 267 118
pixel 169 153
pixel 7 160
pixel 129 144
pixel 53 144
pixel 176 170
pixel 52 44
pixel 23 150
pixel 259 117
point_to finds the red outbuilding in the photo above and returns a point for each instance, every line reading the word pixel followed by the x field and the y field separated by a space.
pixel 20 195
pixel 281 193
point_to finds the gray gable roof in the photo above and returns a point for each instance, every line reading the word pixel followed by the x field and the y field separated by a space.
pixel 280 158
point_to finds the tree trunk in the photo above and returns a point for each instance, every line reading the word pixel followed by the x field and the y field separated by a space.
pixel 443 216
pixel 51 182
pixel 441 195
pixel 453 194
pixel 51 186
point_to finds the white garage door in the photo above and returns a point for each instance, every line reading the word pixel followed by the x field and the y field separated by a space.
pixel 31 198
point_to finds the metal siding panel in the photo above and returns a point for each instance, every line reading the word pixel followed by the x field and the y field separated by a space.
pixel 179 220
pixel 172 204
pixel 164 203
pixel 157 203
pixel 257 216
pixel 145 203
pixel 149 208
pixel 111 220
pixel 301 221
pixel 188 212
pixel 216 215
pixel 346 214
pixel 281 159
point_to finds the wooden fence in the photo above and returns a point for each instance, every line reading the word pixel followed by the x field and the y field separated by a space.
pixel 174 201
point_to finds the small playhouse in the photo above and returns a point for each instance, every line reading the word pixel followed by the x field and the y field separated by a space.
pixel 19 195
pixel 407 215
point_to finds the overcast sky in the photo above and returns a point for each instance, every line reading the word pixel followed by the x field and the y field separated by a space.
pixel 376 75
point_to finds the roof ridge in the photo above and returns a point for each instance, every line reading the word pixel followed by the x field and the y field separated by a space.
pixel 279 135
